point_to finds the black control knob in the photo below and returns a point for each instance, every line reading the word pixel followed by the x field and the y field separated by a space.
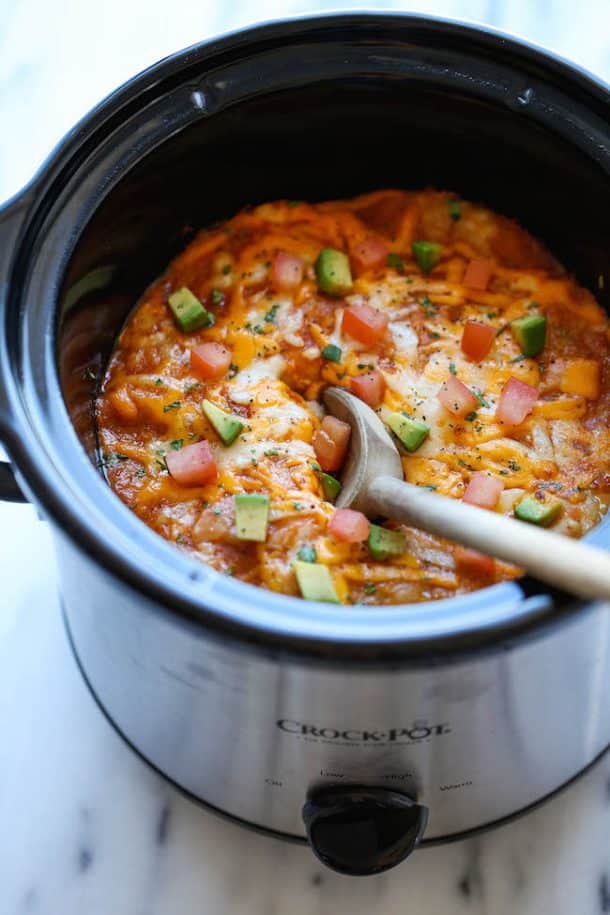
pixel 361 831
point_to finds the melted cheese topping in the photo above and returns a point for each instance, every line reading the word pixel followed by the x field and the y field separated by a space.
pixel 150 401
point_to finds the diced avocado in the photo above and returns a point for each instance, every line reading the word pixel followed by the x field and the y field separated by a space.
pixel 331 353
pixel 541 511
pixel 427 254
pixel 409 432
pixel 307 554
pixel 331 487
pixel 530 334
pixel 227 426
pixel 315 582
pixel 384 543
pixel 188 311
pixel 251 516
pixel 333 272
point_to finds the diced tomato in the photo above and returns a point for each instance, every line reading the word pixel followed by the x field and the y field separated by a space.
pixel 330 442
pixel 193 465
pixel 370 387
pixel 287 271
pixel 210 361
pixel 474 563
pixel 483 490
pixel 349 526
pixel 478 274
pixel 477 339
pixel 456 397
pixel 516 402
pixel 369 254
pixel 365 324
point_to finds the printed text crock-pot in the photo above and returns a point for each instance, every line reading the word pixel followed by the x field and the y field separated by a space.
pixel 366 731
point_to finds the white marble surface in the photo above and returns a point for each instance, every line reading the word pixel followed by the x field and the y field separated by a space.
pixel 85 827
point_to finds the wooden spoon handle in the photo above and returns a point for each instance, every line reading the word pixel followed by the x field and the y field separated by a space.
pixel 569 564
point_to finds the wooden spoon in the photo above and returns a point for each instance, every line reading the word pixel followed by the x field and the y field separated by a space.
pixel 373 484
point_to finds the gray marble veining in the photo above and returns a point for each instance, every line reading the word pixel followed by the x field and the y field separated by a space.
pixel 86 828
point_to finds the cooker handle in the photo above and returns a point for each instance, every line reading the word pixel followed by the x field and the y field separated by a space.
pixel 9 488
pixel 11 218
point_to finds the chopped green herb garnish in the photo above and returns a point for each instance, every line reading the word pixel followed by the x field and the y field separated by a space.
pixel 429 486
pixel 395 260
pixel 470 417
pixel 159 381
pixel 428 307
pixel 177 444
pixel 271 452
pixel 271 314
pixel 307 554
pixel 192 386
pixel 315 466
pixel 480 397
pixel 298 507
pixel 331 353
pixel 370 588
pixel 233 370
pixel 174 405
pixel 514 466
pixel 452 368
pixel 258 329
pixel 217 297
pixel 89 375
pixel 226 269
pixel 517 359
pixel 455 210
pixel 502 329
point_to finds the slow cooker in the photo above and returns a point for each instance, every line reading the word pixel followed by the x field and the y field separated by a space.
pixel 364 731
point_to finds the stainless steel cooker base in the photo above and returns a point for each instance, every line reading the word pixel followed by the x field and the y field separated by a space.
pixel 302 839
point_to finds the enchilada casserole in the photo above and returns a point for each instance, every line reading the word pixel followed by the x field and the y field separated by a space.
pixel 487 362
